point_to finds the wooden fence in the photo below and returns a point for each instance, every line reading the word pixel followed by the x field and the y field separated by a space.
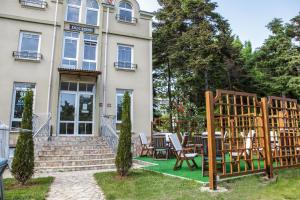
pixel 252 135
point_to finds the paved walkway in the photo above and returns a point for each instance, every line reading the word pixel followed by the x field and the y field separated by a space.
pixel 75 186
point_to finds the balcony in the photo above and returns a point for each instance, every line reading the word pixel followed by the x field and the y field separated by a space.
pixel 27 56
pixel 34 3
pixel 125 66
pixel 125 19
pixel 79 72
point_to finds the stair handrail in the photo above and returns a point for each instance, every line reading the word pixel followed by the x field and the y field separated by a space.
pixel 44 126
pixel 109 133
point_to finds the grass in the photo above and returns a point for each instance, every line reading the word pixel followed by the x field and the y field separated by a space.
pixel 35 189
pixel 144 185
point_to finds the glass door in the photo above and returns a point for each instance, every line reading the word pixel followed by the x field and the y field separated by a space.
pixel 67 110
pixel 85 114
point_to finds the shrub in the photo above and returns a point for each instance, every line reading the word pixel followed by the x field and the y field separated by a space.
pixel 124 155
pixel 23 162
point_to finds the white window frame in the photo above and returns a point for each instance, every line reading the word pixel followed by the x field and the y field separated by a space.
pixel 24 89
pixel 77 50
pixel 92 9
pixel 96 57
pixel 76 121
pixel 132 55
pixel 21 40
pixel 121 92
pixel 126 9
pixel 74 6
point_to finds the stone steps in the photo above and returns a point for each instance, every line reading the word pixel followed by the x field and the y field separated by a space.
pixel 75 157
pixel 70 163
pixel 76 168
pixel 73 154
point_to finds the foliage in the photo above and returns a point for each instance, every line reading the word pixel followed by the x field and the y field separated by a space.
pixel 23 161
pixel 124 154
pixel 36 189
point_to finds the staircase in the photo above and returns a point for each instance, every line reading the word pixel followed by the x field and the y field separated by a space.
pixel 73 154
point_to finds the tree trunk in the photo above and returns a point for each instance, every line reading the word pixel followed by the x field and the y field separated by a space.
pixel 170 98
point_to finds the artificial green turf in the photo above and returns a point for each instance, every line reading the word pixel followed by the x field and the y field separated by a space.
pixel 35 189
pixel 166 167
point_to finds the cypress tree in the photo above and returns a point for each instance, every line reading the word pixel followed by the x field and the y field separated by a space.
pixel 124 156
pixel 23 161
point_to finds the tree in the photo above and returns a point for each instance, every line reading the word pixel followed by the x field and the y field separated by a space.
pixel 124 155
pixel 23 161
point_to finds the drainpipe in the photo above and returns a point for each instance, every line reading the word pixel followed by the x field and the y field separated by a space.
pixel 105 62
pixel 52 60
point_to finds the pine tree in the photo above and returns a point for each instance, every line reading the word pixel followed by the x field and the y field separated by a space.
pixel 23 161
pixel 124 156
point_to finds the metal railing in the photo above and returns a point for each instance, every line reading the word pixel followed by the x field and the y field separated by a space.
pixel 34 3
pixel 4 141
pixel 25 55
pixel 131 20
pixel 125 65
pixel 41 125
pixel 109 133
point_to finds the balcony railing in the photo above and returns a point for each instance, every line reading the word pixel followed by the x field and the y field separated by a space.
pixel 126 19
pixel 34 3
pixel 125 66
pixel 25 55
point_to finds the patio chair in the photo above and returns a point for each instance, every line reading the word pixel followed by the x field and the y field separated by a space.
pixel 197 142
pixel 181 156
pixel 3 165
pixel 186 145
pixel 160 147
pixel 146 147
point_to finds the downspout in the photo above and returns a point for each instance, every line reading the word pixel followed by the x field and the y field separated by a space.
pixel 105 62
pixel 52 61
pixel 52 58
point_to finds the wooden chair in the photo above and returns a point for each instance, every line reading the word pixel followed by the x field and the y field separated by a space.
pixel 219 157
pixel 197 142
pixel 160 147
pixel 146 147
pixel 186 145
pixel 181 156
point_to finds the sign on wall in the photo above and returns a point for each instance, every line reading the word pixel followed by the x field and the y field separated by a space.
pixel 82 28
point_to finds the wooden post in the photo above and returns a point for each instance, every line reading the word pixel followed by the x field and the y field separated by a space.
pixel 268 150
pixel 211 139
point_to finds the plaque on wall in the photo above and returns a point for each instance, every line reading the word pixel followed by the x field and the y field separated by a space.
pixel 82 28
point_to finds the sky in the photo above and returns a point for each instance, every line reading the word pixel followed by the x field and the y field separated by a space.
pixel 247 18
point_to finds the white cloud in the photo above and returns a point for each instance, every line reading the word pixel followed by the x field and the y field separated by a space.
pixel 149 5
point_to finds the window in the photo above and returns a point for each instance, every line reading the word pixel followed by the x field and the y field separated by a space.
pixel 92 8
pixel 125 12
pixel 70 49
pixel 29 46
pixel 90 52
pixel 18 102
pixel 34 3
pixel 73 10
pixel 125 56
pixel 119 100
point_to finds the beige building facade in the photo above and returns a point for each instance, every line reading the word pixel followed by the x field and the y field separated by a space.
pixel 79 57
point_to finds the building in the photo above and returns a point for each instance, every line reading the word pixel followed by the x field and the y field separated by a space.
pixel 79 57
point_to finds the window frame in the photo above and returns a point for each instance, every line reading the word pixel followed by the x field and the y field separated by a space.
pixel 132 56
pixel 21 41
pixel 96 51
pixel 77 49
pixel 74 6
pixel 126 9
pixel 92 9
pixel 20 86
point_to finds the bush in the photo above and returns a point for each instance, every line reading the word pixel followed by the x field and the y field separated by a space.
pixel 124 155
pixel 23 162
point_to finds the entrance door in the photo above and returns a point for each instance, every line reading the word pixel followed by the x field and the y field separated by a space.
pixel 76 109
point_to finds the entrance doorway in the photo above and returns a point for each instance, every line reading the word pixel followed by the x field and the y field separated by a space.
pixel 76 108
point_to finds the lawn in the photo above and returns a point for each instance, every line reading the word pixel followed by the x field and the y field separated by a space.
pixel 35 189
pixel 144 185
